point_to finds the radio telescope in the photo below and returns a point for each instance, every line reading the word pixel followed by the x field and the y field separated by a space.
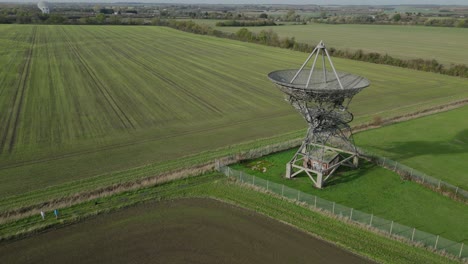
pixel 322 97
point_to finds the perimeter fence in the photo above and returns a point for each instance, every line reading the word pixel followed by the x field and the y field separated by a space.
pixel 404 171
pixel 408 173
pixel 388 227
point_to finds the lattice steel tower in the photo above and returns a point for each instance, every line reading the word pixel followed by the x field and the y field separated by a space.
pixel 322 97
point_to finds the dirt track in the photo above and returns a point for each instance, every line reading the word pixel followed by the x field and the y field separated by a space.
pixel 181 231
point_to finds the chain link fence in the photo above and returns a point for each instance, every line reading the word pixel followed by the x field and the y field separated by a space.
pixel 420 177
pixel 406 172
pixel 386 226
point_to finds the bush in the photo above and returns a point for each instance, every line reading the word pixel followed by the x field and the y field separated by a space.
pixel 377 121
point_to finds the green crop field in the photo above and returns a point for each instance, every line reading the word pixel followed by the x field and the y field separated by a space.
pixel 375 190
pixel 78 102
pixel 436 145
pixel 446 45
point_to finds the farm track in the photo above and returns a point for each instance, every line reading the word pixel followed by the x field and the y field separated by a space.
pixel 125 121
pixel 50 78
pixel 10 134
pixel 2 81
pixel 4 88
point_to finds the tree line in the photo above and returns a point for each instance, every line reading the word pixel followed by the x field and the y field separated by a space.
pixel 396 19
pixel 246 23
pixel 271 38
pixel 265 37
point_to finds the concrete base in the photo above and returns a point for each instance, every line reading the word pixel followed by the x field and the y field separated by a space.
pixel 319 181
pixel 288 170
pixel 356 161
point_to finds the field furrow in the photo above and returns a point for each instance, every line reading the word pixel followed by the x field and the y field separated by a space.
pixel 9 136
pixel 124 120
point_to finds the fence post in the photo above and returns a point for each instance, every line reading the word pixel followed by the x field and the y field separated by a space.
pixel 438 185
pixel 282 190
pixel 437 241
pixel 411 174
pixel 351 214
pixel 412 236
pixel 461 249
pixel 372 216
pixel 456 191
pixel 391 228
pixel 253 180
pixel 383 162
pixel 333 210
pixel 395 166
pixel 267 184
pixel 424 178
pixel 315 203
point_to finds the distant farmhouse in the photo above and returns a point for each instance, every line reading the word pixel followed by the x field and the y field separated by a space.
pixel 44 7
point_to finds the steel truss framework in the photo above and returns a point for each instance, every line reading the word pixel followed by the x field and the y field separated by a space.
pixel 322 99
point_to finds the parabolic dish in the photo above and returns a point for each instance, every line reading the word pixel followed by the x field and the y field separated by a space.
pixel 318 84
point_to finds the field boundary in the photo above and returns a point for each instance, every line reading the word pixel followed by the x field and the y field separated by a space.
pixel 421 113
pixel 71 214
pixel 197 169
pixel 387 227
pixel 67 201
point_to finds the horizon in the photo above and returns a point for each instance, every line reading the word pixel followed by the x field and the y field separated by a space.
pixel 267 2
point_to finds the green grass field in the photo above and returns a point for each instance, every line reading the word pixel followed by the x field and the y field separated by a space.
pixel 436 145
pixel 446 45
pixel 349 237
pixel 78 102
pixel 375 190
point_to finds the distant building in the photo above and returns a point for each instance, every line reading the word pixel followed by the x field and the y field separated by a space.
pixel 44 7
pixel 45 10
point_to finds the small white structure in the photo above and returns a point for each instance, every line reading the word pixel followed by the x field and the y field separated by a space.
pixel 44 7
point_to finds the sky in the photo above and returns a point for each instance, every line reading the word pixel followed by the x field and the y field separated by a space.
pixel 317 2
